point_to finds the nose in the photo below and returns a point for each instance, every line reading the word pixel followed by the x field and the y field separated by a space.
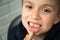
pixel 35 15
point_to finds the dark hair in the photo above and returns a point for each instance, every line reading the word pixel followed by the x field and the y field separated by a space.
pixel 58 4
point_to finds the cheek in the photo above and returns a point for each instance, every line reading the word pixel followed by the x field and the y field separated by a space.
pixel 48 22
pixel 24 17
pixel 49 19
pixel 25 13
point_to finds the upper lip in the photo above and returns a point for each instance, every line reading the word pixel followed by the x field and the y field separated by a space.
pixel 35 22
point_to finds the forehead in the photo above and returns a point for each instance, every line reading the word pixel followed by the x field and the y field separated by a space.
pixel 37 2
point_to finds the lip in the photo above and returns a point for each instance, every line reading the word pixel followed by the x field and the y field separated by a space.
pixel 32 28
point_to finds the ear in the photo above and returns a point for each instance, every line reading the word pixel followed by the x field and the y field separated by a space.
pixel 57 19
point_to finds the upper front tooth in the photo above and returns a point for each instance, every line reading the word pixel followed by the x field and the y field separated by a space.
pixel 31 24
pixel 35 25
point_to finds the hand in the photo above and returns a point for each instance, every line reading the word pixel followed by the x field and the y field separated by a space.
pixel 29 36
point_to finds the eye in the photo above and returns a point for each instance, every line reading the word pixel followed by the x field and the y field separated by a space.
pixel 46 10
pixel 29 7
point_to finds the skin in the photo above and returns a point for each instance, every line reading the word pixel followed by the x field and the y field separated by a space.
pixel 42 12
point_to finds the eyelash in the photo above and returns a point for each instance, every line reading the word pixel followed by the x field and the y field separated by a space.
pixel 46 10
pixel 29 7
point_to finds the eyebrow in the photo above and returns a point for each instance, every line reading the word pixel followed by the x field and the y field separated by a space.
pixel 48 5
pixel 28 2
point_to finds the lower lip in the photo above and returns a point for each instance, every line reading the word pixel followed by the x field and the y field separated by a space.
pixel 34 29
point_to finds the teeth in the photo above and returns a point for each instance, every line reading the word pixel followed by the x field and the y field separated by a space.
pixel 31 24
pixel 35 25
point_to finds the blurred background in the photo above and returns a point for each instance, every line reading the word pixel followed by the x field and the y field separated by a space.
pixel 9 9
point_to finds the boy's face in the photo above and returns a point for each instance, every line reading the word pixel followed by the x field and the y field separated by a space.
pixel 38 16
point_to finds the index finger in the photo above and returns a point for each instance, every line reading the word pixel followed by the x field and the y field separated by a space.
pixel 30 35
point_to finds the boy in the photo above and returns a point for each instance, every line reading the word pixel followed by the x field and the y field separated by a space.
pixel 39 17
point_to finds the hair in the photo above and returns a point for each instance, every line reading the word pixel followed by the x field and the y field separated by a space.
pixel 57 3
pixel 58 6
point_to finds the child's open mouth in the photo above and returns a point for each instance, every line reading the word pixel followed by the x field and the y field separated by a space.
pixel 35 27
